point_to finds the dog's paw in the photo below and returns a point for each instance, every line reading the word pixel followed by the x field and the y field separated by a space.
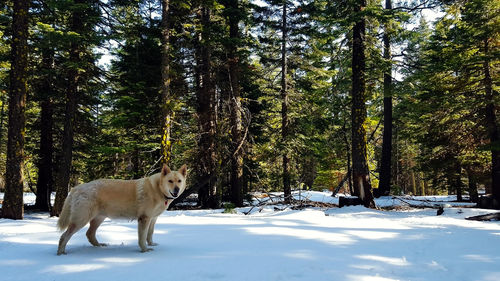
pixel 146 250
pixel 61 253
pixel 152 244
pixel 102 245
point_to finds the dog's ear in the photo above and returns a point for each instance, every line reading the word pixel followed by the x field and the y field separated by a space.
pixel 183 170
pixel 165 170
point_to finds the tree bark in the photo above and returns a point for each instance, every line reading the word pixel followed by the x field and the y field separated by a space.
pixel 45 178
pixel 284 105
pixel 413 183
pixel 235 105
pixel 458 181
pixel 71 107
pixel 207 195
pixel 360 172
pixel 12 207
pixel 473 194
pixel 384 186
pixel 421 184
pixel 493 132
pixel 2 117
pixel 166 142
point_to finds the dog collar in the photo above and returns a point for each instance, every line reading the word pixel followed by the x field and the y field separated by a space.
pixel 167 198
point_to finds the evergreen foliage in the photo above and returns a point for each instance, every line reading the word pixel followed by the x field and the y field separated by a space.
pixel 225 95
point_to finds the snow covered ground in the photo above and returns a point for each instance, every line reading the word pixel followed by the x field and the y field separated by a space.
pixel 350 243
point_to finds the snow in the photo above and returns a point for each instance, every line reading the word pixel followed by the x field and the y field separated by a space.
pixel 350 243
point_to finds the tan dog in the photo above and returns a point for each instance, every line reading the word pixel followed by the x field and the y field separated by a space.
pixel 143 199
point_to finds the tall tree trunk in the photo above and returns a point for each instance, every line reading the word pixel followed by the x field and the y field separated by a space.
pixel 428 189
pixel 360 172
pixel 12 207
pixel 136 171
pixel 45 178
pixel 492 125
pixel 458 181
pixel 2 117
pixel 71 107
pixel 284 105
pixel 166 142
pixel 384 186
pixel 473 194
pixel 421 184
pixel 348 153
pixel 207 195
pixel 413 183
pixel 235 102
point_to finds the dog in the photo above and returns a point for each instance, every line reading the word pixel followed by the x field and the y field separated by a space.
pixel 142 199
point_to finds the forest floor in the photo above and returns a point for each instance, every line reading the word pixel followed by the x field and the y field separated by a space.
pixel 268 242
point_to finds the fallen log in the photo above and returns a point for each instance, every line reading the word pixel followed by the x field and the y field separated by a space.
pixel 349 201
pixel 487 217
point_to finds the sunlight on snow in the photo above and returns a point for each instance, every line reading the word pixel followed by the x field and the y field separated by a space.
pixel 479 258
pixel 372 235
pixel 73 268
pixel 30 240
pixel 491 276
pixel 301 254
pixel 436 266
pixel 16 262
pixel 392 261
pixel 327 237
pixel 368 278
pixel 284 223
pixel 120 260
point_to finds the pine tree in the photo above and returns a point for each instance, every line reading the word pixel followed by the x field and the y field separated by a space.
pixel 167 115
pixel 208 196
pixel 384 187
pixel 360 173
pixel 12 206
pixel 83 18
pixel 284 102
pixel 233 13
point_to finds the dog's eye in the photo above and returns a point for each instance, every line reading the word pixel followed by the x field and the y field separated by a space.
pixel 179 180
pixel 170 181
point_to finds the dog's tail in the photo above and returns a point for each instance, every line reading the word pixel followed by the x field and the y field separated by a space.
pixel 65 214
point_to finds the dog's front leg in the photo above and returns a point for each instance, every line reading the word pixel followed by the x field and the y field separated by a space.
pixel 151 229
pixel 143 226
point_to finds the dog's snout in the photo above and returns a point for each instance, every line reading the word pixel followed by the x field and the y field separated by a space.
pixel 176 191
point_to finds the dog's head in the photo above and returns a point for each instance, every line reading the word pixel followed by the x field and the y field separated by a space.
pixel 173 183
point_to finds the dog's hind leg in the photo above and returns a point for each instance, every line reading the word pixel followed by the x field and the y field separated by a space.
pixel 72 229
pixel 94 224
pixel 151 229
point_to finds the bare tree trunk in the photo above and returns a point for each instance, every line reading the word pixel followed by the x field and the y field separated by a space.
pixel 458 181
pixel 166 142
pixel 473 194
pixel 284 106
pixel 70 111
pixel 2 117
pixel 12 207
pixel 45 178
pixel 348 153
pixel 207 195
pixel 384 186
pixel 491 121
pixel 235 105
pixel 360 172
pixel 428 190
pixel 421 184
pixel 413 183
